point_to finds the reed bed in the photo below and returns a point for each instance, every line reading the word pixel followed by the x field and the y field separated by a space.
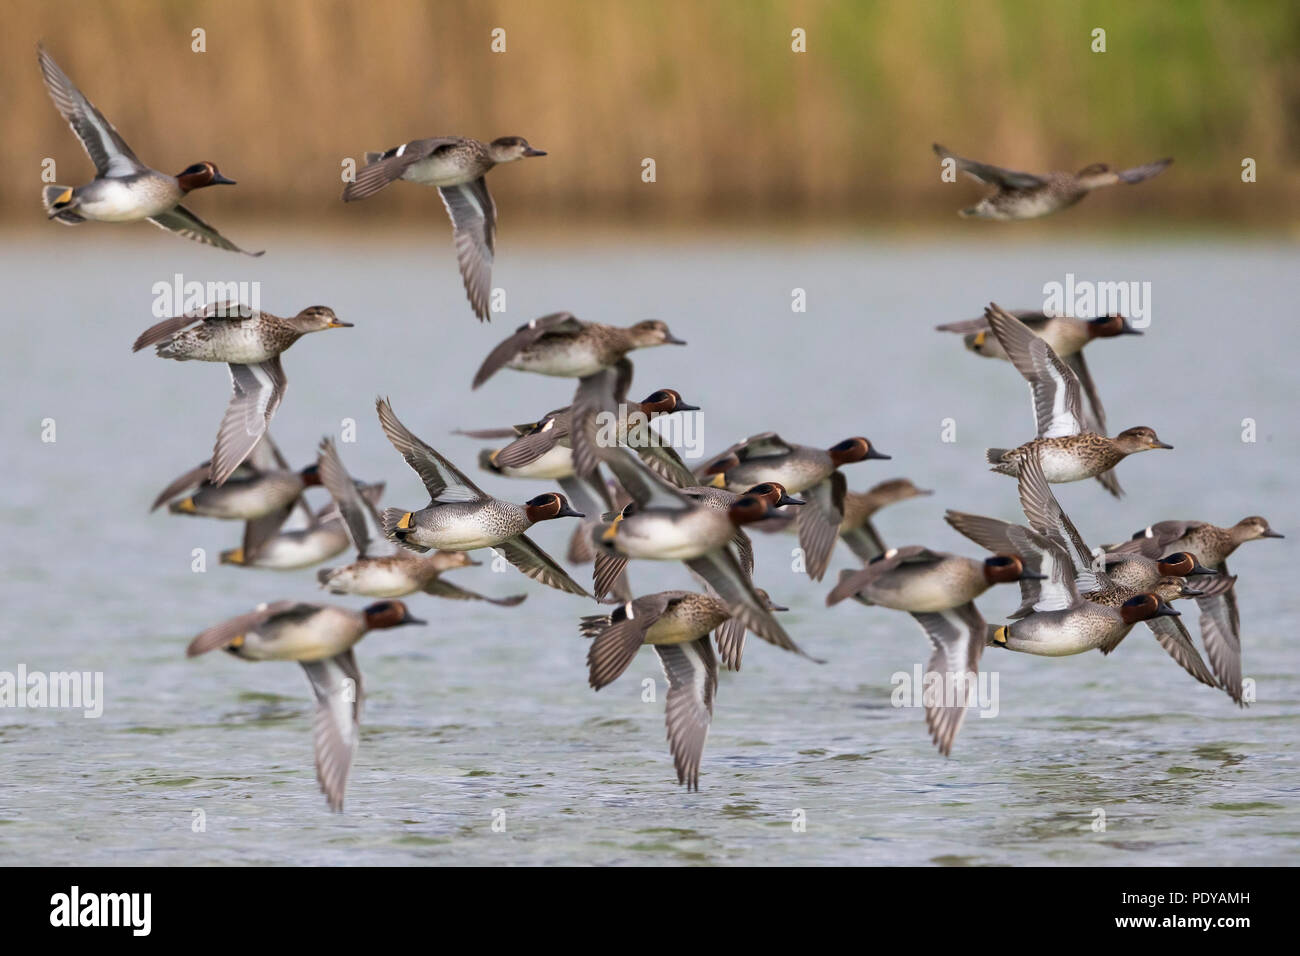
pixel 739 126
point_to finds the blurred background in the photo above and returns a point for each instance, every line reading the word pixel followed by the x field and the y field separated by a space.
pixel 740 127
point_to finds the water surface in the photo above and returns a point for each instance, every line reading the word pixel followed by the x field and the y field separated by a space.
pixel 487 709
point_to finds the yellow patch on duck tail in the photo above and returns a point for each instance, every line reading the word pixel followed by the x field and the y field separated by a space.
pixel 405 523
pixel 237 641
pixel 979 339
pixel 1000 634
pixel 718 481
pixel 612 529
pixel 186 505
pixel 65 196
pixel 235 556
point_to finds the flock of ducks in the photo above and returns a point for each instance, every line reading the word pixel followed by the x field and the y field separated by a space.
pixel 635 498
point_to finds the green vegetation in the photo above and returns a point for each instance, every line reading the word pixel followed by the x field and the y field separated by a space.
pixel 739 126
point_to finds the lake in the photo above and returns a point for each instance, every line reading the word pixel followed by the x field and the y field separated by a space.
pixel 485 714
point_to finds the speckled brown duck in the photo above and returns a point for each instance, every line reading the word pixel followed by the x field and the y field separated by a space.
pixel 1031 195
pixel 1065 448
pixel 457 166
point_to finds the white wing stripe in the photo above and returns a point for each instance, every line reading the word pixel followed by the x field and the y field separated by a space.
pixel 1054 594
pixel 699 674
pixel 1062 421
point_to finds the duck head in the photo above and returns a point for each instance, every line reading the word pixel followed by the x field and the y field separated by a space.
pixel 1097 174
pixel 653 332
pixel 548 506
pixel 895 490
pixel 446 560
pixel 1107 326
pixel 1248 529
pixel 768 602
pixel 851 450
pixel 506 149
pixel 774 493
pixel 1170 587
pixel 747 509
pixel 1143 607
pixel 1181 564
pixel 201 174
pixel 1141 438
pixel 383 614
pixel 1007 568
pixel 317 318
pixel 664 402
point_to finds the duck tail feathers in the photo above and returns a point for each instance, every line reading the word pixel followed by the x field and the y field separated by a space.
pixel 592 626
pixel 55 200
pixel 391 519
